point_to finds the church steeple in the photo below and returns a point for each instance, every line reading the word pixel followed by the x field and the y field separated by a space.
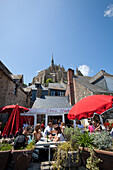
pixel 78 72
pixel 52 61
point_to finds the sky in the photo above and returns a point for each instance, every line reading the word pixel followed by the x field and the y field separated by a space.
pixel 79 33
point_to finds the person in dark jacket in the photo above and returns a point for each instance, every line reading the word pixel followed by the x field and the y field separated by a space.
pixel 21 140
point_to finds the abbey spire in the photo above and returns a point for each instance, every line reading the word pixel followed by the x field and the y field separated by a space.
pixel 52 61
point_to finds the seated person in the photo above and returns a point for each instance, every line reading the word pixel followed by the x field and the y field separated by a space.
pixel 100 127
pixel 59 136
pixel 37 133
pixel 48 129
pixel 91 127
pixel 81 126
pixel 21 140
pixel 42 126
pixel 25 124
pixel 63 126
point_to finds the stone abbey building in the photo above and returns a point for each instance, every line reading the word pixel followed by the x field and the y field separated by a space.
pixel 55 72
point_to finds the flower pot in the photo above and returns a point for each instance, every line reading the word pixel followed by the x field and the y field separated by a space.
pixel 72 160
pixel 4 158
pixel 107 159
pixel 84 155
pixel 105 156
pixel 21 159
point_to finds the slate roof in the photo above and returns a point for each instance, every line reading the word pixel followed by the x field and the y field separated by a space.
pixel 99 75
pixel 57 86
pixel 92 87
pixel 51 102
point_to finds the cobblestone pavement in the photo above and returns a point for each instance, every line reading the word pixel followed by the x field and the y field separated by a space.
pixel 34 166
pixel 37 166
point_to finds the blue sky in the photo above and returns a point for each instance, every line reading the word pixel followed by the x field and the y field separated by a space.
pixel 79 33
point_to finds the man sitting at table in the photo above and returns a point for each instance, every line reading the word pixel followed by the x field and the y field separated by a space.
pixel 21 140
pixel 48 129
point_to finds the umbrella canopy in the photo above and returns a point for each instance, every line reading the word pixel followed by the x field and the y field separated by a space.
pixel 13 123
pixel 86 107
pixel 9 109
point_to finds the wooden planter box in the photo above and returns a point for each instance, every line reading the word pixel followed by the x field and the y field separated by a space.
pixel 4 158
pixel 21 159
pixel 105 156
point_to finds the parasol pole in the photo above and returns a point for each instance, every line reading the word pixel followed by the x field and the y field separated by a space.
pixel 101 120
pixel 74 123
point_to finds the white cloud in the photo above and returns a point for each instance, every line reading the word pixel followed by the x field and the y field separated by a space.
pixel 109 11
pixel 85 70
pixel 38 71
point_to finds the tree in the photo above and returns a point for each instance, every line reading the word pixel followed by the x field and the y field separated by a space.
pixel 49 80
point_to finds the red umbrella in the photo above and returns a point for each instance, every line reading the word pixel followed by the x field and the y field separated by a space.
pixel 13 123
pixel 86 107
pixel 9 109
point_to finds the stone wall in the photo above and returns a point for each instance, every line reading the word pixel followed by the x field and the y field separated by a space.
pixel 7 96
pixel 80 91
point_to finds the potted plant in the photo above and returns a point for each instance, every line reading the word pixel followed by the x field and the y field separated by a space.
pixel 66 157
pixel 97 154
pixel 5 151
pixel 67 154
pixel 23 157
pixel 83 140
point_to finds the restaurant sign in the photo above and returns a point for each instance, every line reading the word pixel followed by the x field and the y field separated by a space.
pixel 50 110
pixel 58 110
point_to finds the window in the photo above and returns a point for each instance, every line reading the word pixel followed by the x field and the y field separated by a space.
pixel 58 93
pixel 62 93
pixel 52 93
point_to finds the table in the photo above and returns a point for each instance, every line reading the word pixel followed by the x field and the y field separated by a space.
pixel 48 145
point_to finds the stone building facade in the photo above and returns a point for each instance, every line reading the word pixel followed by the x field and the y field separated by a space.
pixel 55 72
pixel 79 86
pixel 10 90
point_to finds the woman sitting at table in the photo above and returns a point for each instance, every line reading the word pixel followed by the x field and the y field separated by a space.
pixel 59 135
pixel 37 133
pixel 63 126
pixel 91 127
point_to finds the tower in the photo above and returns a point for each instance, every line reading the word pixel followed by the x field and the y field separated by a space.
pixel 52 61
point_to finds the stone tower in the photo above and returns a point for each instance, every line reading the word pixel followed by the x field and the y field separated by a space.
pixel 52 61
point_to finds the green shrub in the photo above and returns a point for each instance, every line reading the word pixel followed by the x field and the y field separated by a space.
pixel 5 147
pixel 84 139
pixel 68 132
pixel 102 140
pixel 30 146
pixel 77 138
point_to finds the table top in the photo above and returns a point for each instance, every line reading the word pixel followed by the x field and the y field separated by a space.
pixel 45 143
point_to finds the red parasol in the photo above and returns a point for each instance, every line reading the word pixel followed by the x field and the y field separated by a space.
pixel 86 107
pixel 9 109
pixel 13 123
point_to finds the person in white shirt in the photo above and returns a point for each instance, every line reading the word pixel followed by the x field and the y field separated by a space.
pixel 59 136
pixel 48 129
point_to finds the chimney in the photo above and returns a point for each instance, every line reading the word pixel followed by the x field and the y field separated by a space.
pixel 70 89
